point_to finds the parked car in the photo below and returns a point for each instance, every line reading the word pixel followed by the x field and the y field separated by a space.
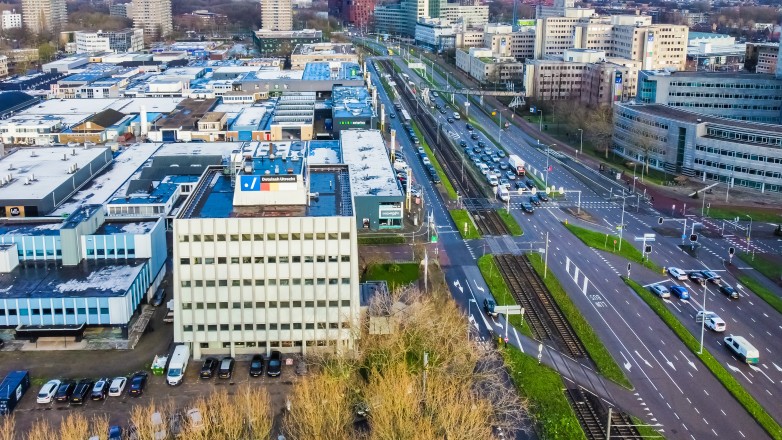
pixel 677 273
pixel 697 277
pixel 64 391
pixel 48 390
pixel 710 320
pixel 81 392
pixel 274 368
pixel 101 389
pixel 115 432
pixel 728 290
pixel 159 297
pixel 226 369
pixel 257 365
pixel 680 292
pixel 117 386
pixel 137 383
pixel 660 290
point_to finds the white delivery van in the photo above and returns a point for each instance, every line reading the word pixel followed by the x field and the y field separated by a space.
pixel 503 193
pixel 710 320
pixel 456 116
pixel 484 168
pixel 178 365
pixel 493 181
pixel 743 349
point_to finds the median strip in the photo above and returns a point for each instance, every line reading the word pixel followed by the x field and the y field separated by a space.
pixel 465 225
pixel 432 158
pixel 605 242
pixel 728 381
pixel 510 222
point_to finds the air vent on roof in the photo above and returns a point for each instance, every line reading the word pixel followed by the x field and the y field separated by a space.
pixel 11 166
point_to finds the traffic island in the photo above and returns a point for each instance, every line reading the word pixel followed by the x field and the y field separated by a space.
pixel 605 242
pixel 465 225
pixel 728 381
pixel 510 222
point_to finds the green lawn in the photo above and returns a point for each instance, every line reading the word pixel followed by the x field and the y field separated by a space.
pixel 605 363
pixel 460 217
pixel 758 215
pixel 544 389
pixel 443 178
pixel 495 281
pixel 760 290
pixel 395 274
pixel 510 222
pixel 770 267
pixel 728 381
pixel 383 239
pixel 598 240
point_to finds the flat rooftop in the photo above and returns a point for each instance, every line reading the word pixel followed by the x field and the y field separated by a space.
pixel 50 228
pixel 250 117
pixel 213 197
pixel 324 152
pixel 187 113
pixel 371 172
pixel 748 76
pixel 324 49
pixel 275 157
pixel 113 227
pixel 690 117
pixel 334 70
pixel 351 102
pixel 43 168
pixel 98 278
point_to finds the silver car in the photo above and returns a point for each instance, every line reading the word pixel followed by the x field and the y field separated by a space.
pixel 660 290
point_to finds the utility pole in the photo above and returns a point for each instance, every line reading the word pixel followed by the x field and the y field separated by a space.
pixel 622 221
pixel 581 147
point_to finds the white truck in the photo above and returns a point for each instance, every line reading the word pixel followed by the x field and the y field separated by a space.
pixel 745 351
pixel 516 164
pixel 178 365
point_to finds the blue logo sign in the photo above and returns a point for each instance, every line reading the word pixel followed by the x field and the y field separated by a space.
pixel 250 183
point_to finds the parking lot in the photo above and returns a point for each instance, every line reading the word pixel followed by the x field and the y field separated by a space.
pixel 79 364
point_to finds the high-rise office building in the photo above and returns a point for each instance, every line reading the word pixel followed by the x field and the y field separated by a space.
pixel 154 16
pixel 11 20
pixel 44 15
pixel 276 15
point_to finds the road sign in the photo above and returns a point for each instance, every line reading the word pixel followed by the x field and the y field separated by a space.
pixel 660 221
pixel 731 251
pixel 644 239
pixel 694 238
pixel 684 236
pixel 649 236
pixel 508 310
pixel 434 239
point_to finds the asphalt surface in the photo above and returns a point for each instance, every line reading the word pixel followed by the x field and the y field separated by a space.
pixel 672 387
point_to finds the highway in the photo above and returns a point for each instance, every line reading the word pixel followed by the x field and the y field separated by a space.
pixel 672 387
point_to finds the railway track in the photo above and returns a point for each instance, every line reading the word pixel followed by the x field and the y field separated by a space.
pixel 593 416
pixel 486 220
pixel 540 311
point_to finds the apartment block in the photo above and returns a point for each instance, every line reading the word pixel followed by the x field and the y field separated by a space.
pixel 154 16
pixel 44 15
pixel 658 46
pixel 556 34
pixel 504 41
pixel 126 40
pixel 10 20
pixel 485 67
pixel 276 15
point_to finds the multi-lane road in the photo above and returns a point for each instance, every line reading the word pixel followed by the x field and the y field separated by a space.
pixel 672 387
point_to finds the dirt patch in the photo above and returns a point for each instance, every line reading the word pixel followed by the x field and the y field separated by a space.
pixel 583 215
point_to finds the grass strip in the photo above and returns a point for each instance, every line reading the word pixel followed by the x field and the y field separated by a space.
pixel 383 239
pixel 460 218
pixel 443 178
pixel 544 389
pixel 760 290
pixel 728 381
pixel 646 430
pixel 500 291
pixel 510 222
pixel 605 363
pixel 395 274
pixel 769 267
pixel 599 241
pixel 758 215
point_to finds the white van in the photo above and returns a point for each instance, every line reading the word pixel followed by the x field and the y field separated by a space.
pixel 456 116
pixel 484 168
pixel 178 365
pixel 743 349
pixel 503 193
pixel 711 321
pixel 493 181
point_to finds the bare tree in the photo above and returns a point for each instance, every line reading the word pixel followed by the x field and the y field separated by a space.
pixel 42 430
pixel 74 427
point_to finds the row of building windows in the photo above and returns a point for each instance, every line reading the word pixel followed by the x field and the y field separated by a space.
pixel 262 260
pixel 738 169
pixel 56 311
pixel 632 141
pixel 197 238
pixel 271 326
pixel 637 131
pixel 269 282
pixel 724 105
pixel 225 305
pixel 110 252
pixel 637 118
pixel 726 95
pixel 273 344
pixel 720 133
pixel 725 85
pixel 739 155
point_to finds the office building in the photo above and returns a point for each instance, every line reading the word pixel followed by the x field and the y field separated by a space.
pixel 657 46
pixel 468 16
pixel 41 16
pixel 359 13
pixel 739 153
pixel 126 40
pixel 401 18
pixel 585 75
pixel 485 67
pixel 556 9
pixel 121 10
pixel 3 66
pixel 762 57
pixel 282 43
pixel 509 41
pixel 322 52
pixel 465 39
pixel 266 256
pixel 276 15
pixel 741 96
pixel 435 34
pixel 154 16
pixel 556 34
pixel 10 20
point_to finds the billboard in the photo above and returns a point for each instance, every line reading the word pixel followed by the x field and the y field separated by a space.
pixel 267 183
pixel 14 211
pixel 649 51
pixel 618 85
pixel 526 23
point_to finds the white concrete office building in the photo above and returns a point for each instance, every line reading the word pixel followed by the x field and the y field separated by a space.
pixel 266 257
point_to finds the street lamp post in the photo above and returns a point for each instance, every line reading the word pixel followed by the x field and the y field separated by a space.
pixel 635 165
pixel 749 236
pixel 540 119
pixel 581 146
pixel 547 155
pixel 622 223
